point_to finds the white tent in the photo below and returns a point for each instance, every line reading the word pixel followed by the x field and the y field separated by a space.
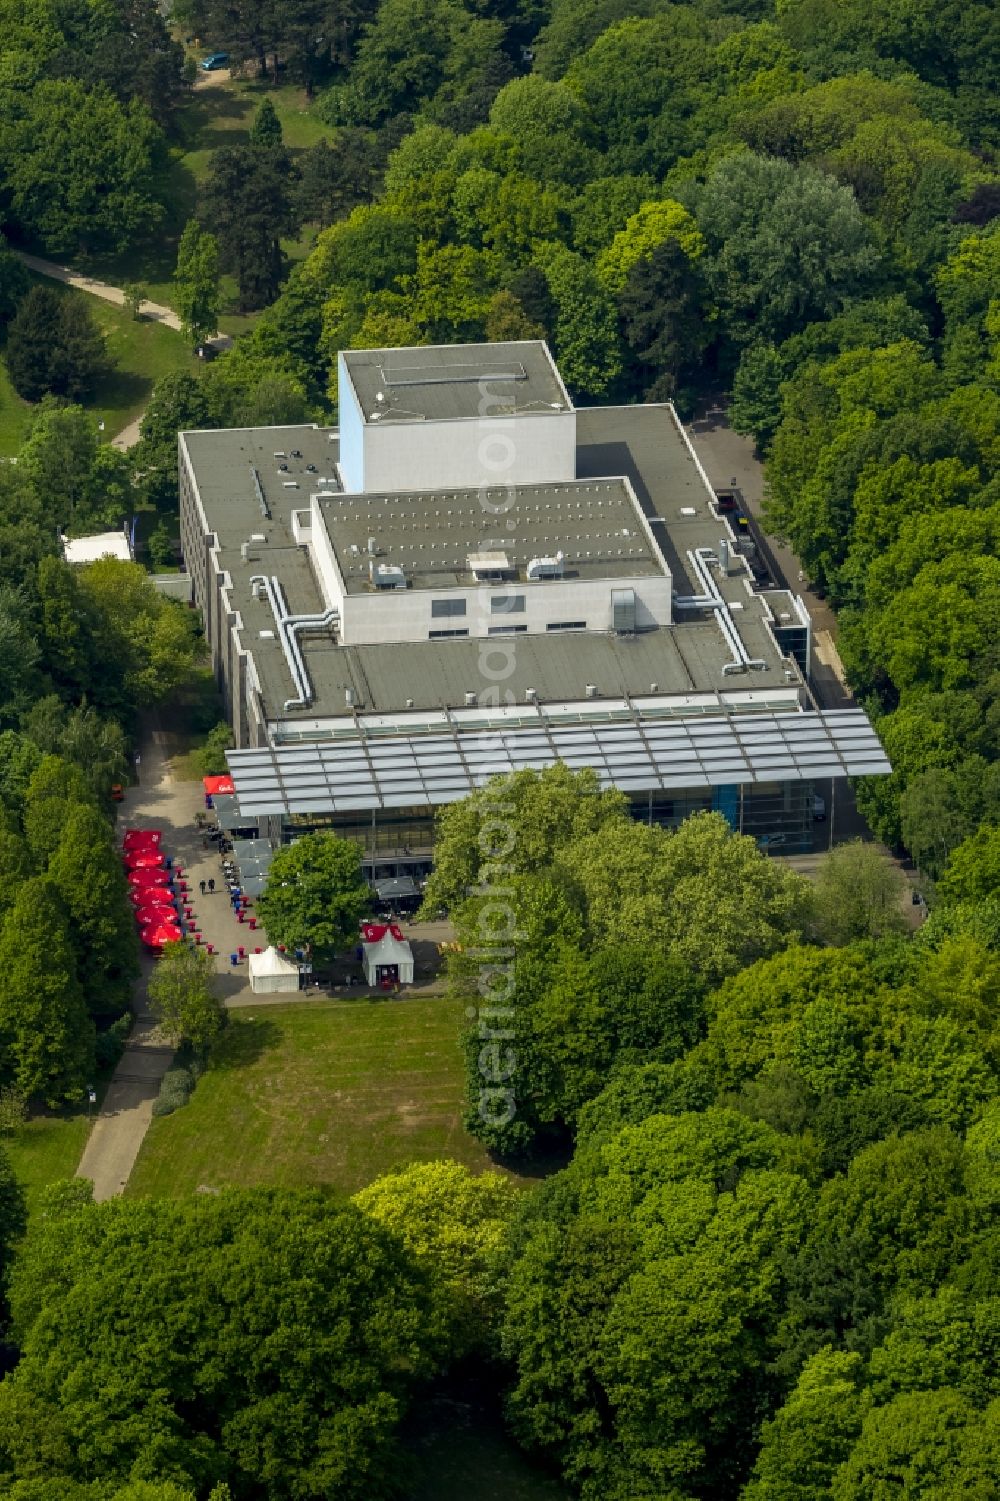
pixel 271 971
pixel 388 957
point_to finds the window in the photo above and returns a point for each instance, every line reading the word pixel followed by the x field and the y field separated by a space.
pixel 507 604
pixel 444 635
pixel 506 630
pixel 566 625
pixel 441 607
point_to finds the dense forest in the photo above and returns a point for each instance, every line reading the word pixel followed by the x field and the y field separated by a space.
pixel 769 1268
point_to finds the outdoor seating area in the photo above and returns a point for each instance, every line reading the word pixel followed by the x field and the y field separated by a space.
pixel 158 890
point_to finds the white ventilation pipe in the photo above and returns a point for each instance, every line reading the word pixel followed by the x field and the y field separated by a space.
pixel 711 599
pixel 289 629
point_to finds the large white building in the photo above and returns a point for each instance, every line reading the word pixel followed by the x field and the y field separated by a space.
pixel 470 575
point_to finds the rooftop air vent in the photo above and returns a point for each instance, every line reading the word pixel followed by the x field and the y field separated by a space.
pixel 350 697
pixel 470 700
pixel 546 568
pixel 531 694
pixel 591 690
pixel 267 635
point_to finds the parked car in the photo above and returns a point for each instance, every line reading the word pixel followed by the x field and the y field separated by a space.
pixel 215 60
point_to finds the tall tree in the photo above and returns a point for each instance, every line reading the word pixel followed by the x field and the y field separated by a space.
pixel 87 872
pixel 249 211
pixel 307 1327
pixel 54 346
pixel 196 283
pixel 46 1035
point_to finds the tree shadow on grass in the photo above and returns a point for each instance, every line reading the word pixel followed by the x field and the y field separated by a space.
pixel 245 1041
pixel 120 390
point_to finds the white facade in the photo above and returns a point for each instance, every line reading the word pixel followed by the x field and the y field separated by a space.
pixel 527 448
pixel 388 616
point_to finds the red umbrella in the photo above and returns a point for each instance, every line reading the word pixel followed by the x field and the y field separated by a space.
pixel 156 916
pixel 143 860
pixel 149 877
pixel 141 839
pixel 150 896
pixel 157 934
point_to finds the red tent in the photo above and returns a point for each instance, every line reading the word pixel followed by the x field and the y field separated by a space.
pixel 143 859
pixel 156 915
pixel 157 934
pixel 374 932
pixel 141 839
pixel 218 786
pixel 150 896
pixel 149 877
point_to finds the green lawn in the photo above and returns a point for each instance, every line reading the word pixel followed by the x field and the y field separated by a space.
pixel 14 415
pixel 219 115
pixel 140 352
pixel 45 1150
pixel 320 1092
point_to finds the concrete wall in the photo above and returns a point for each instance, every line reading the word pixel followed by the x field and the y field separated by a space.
pixel 405 614
pixel 531 448
pixel 352 432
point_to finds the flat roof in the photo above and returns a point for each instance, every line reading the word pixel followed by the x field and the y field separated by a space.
pixel 100 545
pixel 643 443
pixel 431 536
pixel 444 382
pixel 637 753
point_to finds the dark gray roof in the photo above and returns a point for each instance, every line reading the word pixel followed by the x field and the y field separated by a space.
pixel 448 381
pixel 637 753
pixel 432 535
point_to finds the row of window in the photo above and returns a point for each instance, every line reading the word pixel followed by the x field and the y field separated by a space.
pixel 500 604
pixel 508 630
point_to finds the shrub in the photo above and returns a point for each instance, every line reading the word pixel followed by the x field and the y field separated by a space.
pixel 175 1091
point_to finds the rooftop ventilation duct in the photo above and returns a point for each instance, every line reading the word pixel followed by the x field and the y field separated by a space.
pixel 290 627
pixel 546 568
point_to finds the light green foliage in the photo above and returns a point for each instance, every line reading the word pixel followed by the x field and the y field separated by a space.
pixel 196 282
pixel 457 1225
pixel 585 332
pixel 858 893
pixel 306 1327
pixel 812 1433
pixel 514 825
pixel 211 756
pixel 183 997
pixel 707 894
pixel 145 641
pixel 549 124
pixel 649 227
pixel 315 895
pixel 668 1230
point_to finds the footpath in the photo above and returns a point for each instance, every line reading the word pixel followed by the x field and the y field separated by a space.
pixel 159 802
pixel 152 312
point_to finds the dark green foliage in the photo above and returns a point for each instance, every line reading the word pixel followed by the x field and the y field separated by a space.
pixel 301 1326
pixel 54 346
pixel 248 212
pixel 46 1035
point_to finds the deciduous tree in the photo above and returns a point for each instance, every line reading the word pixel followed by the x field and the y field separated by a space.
pixel 183 996
pixel 315 895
